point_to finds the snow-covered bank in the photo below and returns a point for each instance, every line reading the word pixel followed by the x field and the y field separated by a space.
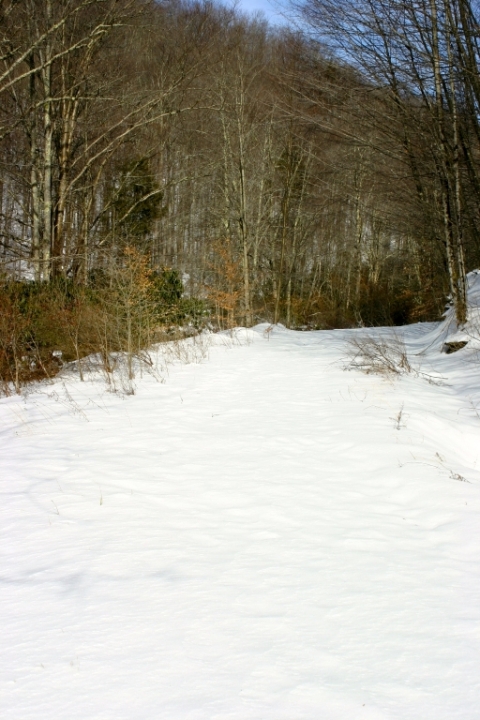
pixel 264 535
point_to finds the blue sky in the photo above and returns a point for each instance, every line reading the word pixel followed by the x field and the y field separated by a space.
pixel 270 8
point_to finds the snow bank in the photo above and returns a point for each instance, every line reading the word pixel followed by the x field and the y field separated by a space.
pixel 470 332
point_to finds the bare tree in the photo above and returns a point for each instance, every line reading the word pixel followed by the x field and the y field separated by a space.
pixel 426 55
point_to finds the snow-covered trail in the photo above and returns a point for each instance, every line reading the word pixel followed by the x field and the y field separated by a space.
pixel 263 536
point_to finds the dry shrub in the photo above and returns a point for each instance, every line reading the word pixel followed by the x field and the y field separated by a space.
pixel 41 327
pixel 379 356
pixel 225 293
pixel 13 340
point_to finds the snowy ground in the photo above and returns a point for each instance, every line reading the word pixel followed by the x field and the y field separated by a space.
pixel 263 536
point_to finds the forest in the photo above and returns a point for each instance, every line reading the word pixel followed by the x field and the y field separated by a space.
pixel 177 165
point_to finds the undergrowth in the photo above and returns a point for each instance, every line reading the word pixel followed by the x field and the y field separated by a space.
pixel 124 310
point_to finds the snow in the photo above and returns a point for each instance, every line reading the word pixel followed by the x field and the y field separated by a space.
pixel 265 533
pixel 470 332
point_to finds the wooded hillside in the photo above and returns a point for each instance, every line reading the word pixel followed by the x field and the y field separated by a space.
pixel 198 166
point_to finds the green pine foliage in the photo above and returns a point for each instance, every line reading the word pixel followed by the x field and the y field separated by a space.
pixel 137 201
